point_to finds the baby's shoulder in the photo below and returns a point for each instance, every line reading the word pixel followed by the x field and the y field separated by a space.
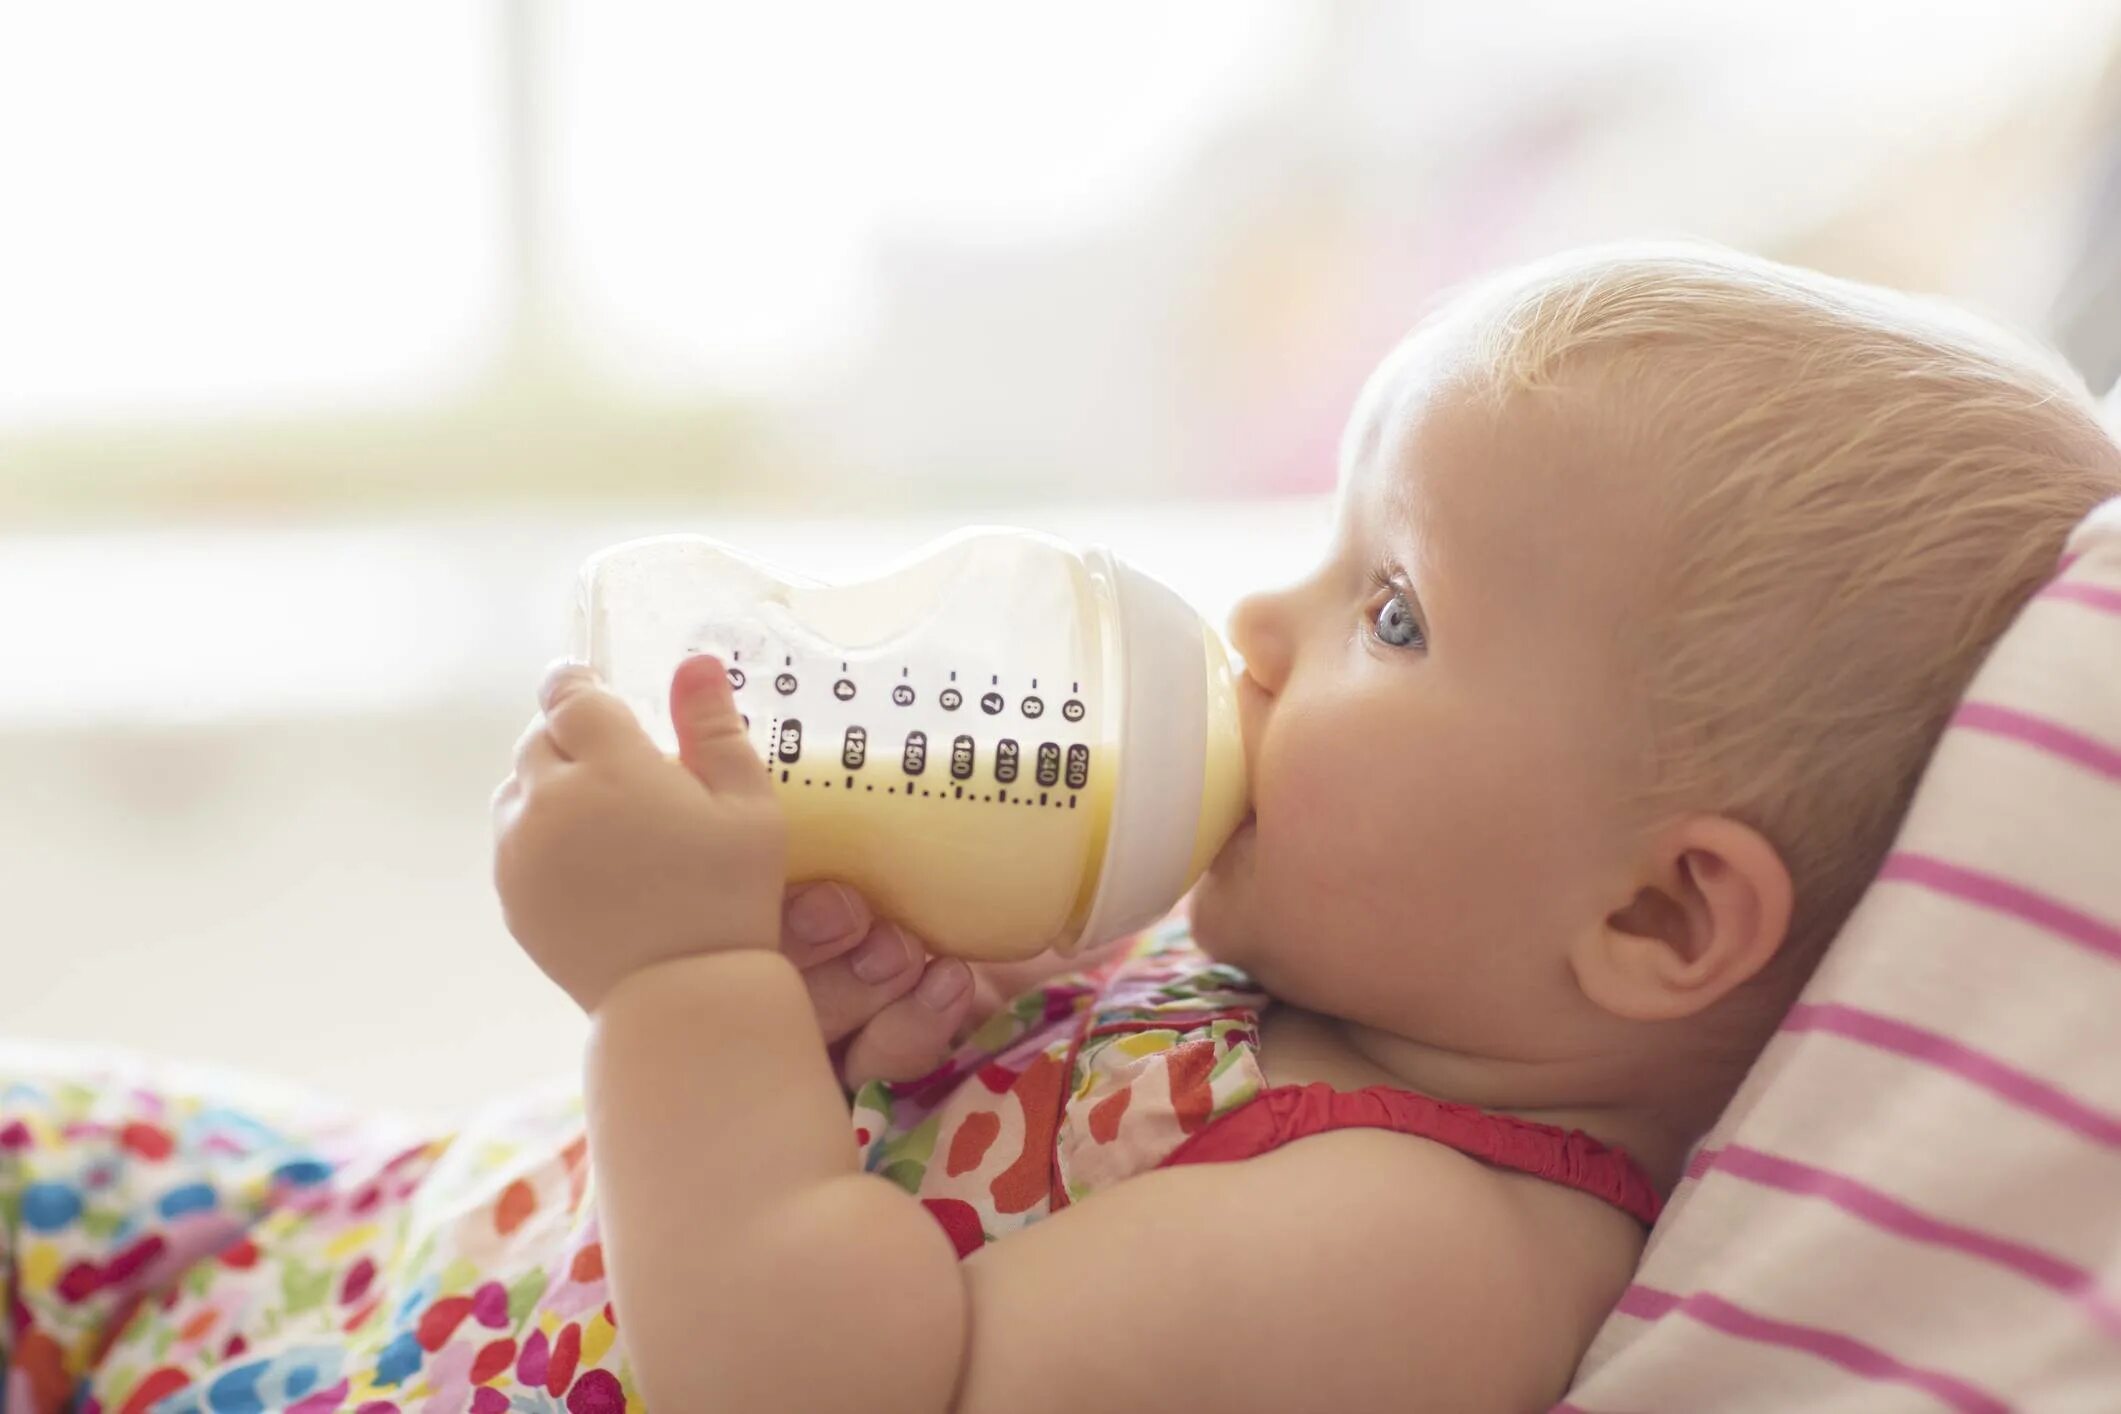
pixel 1358 1261
pixel 1568 1249
pixel 1520 1272
pixel 1565 1253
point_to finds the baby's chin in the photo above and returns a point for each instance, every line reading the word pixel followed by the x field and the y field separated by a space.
pixel 1210 902
pixel 1228 929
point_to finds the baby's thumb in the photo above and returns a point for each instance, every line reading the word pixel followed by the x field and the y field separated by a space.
pixel 711 738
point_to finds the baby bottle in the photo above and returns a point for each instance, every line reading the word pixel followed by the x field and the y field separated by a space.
pixel 1006 743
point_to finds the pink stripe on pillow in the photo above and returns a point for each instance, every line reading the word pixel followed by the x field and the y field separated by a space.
pixel 2098 596
pixel 2051 737
pixel 1650 1304
pixel 2009 1084
pixel 2001 895
pixel 1883 1211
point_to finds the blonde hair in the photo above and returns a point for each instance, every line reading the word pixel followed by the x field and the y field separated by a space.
pixel 1868 487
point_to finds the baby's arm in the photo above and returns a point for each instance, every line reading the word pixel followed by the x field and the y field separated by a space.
pixel 755 1267
pixel 1355 1271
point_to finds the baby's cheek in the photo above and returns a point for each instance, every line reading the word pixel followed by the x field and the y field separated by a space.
pixel 1320 832
pixel 1353 811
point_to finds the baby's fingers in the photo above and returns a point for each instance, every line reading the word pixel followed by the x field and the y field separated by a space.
pixel 916 1032
pixel 585 720
pixel 820 921
pixel 711 736
pixel 849 989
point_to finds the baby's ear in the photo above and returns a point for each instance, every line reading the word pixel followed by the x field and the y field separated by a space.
pixel 1711 907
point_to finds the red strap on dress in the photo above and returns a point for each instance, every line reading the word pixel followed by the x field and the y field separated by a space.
pixel 1568 1157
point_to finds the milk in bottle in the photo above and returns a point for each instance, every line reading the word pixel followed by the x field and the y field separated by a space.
pixel 1004 742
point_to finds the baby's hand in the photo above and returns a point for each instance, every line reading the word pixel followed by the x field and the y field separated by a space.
pixel 875 987
pixel 611 857
pixel 882 1026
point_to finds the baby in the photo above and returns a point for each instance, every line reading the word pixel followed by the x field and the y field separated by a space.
pixel 1657 573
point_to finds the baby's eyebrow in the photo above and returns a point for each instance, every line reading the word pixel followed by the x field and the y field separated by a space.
pixel 1412 547
pixel 1403 530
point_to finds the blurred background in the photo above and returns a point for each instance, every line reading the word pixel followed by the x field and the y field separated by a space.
pixel 333 336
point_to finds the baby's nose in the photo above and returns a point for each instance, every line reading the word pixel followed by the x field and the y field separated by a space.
pixel 1259 639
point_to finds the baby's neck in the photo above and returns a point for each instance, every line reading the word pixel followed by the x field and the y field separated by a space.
pixel 1298 1046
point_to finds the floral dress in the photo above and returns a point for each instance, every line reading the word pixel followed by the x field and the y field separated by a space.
pixel 173 1243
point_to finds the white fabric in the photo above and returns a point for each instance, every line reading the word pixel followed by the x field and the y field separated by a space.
pixel 1914 1201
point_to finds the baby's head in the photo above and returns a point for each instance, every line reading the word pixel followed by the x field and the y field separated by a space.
pixel 1657 573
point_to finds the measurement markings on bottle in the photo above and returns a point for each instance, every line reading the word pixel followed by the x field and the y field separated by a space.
pixel 1056 763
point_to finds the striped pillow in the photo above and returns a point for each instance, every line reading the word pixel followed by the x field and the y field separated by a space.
pixel 1914 1200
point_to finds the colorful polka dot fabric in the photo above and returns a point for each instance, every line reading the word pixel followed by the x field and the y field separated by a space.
pixel 176 1249
pixel 180 1246
pixel 1088 1080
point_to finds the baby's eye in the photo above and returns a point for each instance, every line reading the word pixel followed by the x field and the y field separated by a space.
pixel 1396 624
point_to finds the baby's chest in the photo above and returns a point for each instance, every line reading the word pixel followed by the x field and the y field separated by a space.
pixel 1059 1111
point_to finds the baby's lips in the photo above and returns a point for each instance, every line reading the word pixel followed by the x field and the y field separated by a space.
pixel 1251 702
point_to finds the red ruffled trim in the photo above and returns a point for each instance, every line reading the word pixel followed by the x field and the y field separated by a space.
pixel 1568 1157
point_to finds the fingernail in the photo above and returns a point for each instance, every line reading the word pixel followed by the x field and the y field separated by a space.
pixel 819 915
pixel 883 955
pixel 944 984
pixel 558 672
pixel 700 670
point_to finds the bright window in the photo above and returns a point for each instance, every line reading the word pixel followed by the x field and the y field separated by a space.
pixel 225 205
